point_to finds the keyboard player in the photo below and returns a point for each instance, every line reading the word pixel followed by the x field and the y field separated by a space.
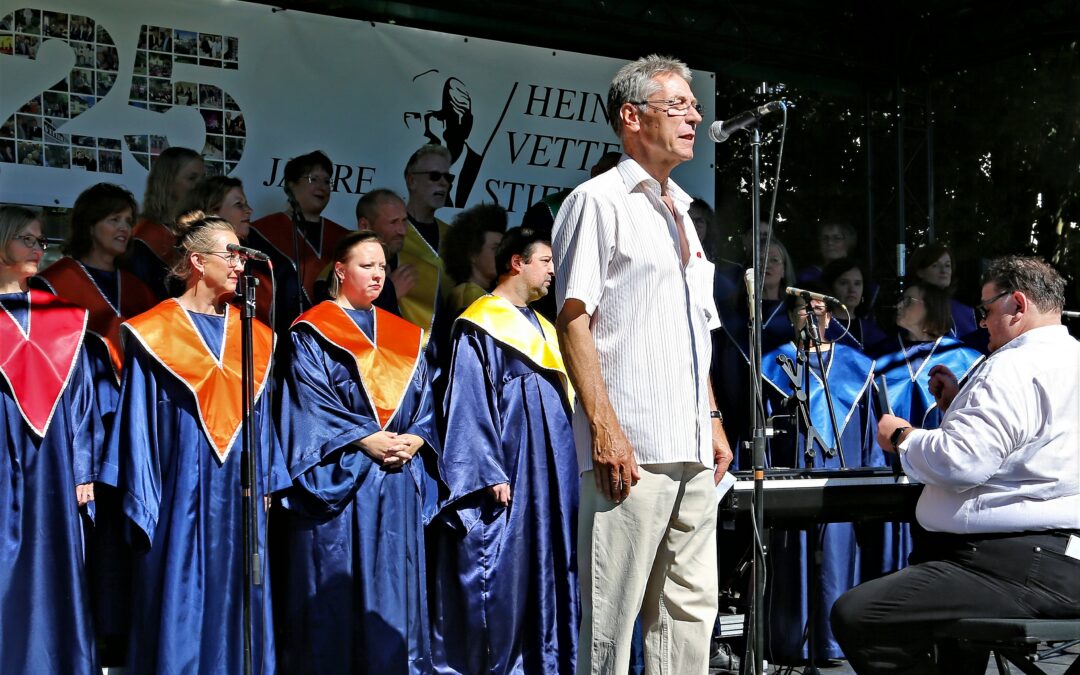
pixel 1000 510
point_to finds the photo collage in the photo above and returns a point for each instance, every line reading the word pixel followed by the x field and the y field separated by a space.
pixel 153 88
pixel 33 134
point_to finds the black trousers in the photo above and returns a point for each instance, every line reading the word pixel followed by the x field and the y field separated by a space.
pixel 885 625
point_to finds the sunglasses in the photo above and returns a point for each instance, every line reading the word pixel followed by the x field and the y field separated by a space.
pixel 434 176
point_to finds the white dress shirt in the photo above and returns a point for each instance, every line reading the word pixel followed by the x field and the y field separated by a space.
pixel 616 249
pixel 1006 457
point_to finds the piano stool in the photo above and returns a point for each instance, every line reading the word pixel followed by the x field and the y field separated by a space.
pixel 1014 641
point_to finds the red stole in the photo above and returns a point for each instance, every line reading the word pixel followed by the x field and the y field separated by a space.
pixel 157 238
pixel 277 229
pixel 386 366
pixel 38 364
pixel 170 336
pixel 72 282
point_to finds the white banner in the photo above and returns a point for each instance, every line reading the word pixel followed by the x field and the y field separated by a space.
pixel 91 92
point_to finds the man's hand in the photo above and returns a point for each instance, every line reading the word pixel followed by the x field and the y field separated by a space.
pixel 614 468
pixel 404 278
pixel 721 449
pixel 885 428
pixel 398 455
pixel 943 386
pixel 84 493
pixel 500 493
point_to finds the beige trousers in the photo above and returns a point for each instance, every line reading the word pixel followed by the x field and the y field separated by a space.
pixel 653 554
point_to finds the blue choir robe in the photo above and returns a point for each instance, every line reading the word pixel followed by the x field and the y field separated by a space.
pixel 109 296
pixel 45 613
pixel 177 465
pixel 730 370
pixel 903 372
pixel 788 596
pixel 357 599
pixel 862 334
pixel 506 582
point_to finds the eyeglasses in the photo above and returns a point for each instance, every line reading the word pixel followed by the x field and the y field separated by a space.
pixel 908 300
pixel 31 242
pixel 231 259
pixel 434 176
pixel 982 309
pixel 318 180
pixel 676 107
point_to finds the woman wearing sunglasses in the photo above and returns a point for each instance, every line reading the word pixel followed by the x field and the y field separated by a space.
pixel 176 444
pixel 50 426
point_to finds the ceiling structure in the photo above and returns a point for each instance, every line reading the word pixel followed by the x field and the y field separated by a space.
pixel 844 41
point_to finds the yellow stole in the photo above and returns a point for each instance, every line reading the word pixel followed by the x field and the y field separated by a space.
pixel 386 366
pixel 500 319
pixel 432 283
pixel 171 338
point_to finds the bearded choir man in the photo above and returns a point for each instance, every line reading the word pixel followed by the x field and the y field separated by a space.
pixel 800 592
pixel 175 457
pixel 50 427
pixel 506 587
pixel 362 447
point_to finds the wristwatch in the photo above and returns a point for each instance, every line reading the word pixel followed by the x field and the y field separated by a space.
pixel 894 438
pixel 717 415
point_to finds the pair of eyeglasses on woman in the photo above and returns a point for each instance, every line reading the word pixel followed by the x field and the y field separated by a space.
pixel 31 242
pixel 318 180
pixel 231 259
pixel 982 309
pixel 674 107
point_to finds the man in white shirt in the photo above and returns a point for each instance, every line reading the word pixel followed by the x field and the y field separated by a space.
pixel 1001 503
pixel 635 295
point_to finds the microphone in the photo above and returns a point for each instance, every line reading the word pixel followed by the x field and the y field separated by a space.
pixel 245 252
pixel 820 297
pixel 1067 314
pixel 720 131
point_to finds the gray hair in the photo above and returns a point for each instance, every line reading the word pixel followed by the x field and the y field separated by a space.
pixel 12 219
pixel 636 82
pixel 424 151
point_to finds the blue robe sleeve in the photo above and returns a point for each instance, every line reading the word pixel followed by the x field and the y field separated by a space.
pixel 88 432
pixel 472 459
pixel 329 412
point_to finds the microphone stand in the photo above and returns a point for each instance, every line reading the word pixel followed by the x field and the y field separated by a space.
pixel 249 502
pixel 815 345
pixel 756 628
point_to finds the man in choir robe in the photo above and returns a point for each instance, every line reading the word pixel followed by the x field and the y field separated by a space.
pixel 506 583
pixel 428 179
pixel 800 591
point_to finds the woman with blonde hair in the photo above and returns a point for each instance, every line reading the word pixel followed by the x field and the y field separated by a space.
pixel 176 445
pixel 173 174
pixel 50 428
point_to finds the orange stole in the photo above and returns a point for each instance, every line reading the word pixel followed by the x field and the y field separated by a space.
pixel 386 366
pixel 158 238
pixel 277 228
pixel 38 364
pixel 170 336
pixel 72 282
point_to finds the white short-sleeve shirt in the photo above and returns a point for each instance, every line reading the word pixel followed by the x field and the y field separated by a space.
pixel 616 249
